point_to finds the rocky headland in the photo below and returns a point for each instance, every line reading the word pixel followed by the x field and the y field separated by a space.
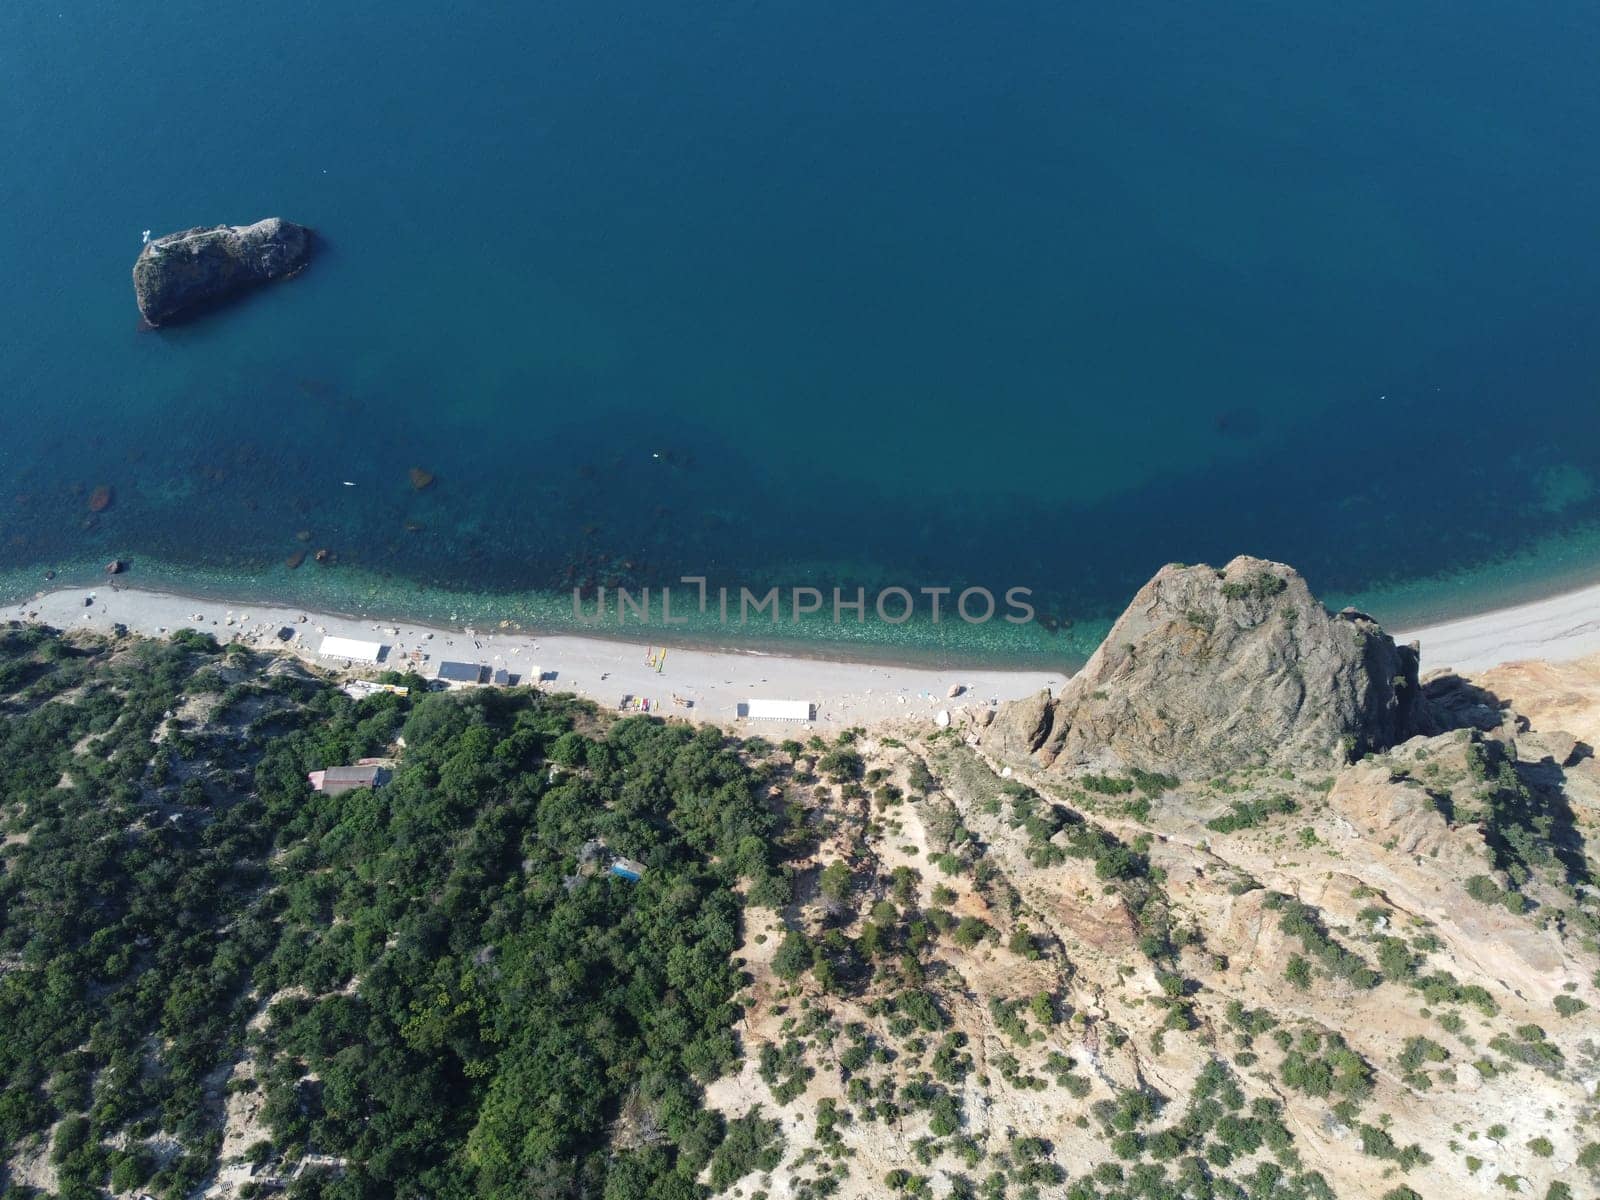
pixel 1246 908
pixel 1209 670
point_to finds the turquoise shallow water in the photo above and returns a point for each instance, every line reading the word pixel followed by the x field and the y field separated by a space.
pixel 1037 296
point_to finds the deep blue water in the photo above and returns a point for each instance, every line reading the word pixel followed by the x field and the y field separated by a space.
pixel 1025 294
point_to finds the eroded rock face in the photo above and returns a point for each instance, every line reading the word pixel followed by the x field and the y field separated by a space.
pixel 197 267
pixel 1209 670
pixel 1552 696
pixel 1400 814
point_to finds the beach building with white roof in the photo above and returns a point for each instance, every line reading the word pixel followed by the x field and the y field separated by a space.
pixel 351 648
pixel 777 710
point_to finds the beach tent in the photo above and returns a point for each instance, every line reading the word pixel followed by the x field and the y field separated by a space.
pixel 355 651
pixel 778 710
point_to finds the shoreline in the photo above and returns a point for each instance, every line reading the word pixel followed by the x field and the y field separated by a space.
pixel 1557 628
pixel 714 681
pixel 919 642
pixel 1446 607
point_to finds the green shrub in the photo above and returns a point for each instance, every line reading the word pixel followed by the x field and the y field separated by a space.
pixel 1247 814
pixel 794 955
pixel 752 1144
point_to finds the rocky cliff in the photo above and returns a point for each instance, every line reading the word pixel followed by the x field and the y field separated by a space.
pixel 180 272
pixel 1209 670
pixel 1362 981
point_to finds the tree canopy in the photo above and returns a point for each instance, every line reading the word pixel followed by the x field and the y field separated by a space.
pixel 422 980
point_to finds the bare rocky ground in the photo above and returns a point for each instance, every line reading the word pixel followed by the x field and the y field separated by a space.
pixel 1387 961
pixel 1558 696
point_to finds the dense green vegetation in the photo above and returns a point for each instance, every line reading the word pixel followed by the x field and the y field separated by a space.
pixel 1260 586
pixel 440 995
pixel 1247 814
pixel 1529 828
pixel 1304 923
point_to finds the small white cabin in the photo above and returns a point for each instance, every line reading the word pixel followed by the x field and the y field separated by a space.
pixel 777 710
pixel 350 648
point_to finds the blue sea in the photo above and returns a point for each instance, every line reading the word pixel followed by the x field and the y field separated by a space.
pixel 1034 295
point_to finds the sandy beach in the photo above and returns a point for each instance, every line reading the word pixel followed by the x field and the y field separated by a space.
pixel 1557 629
pixel 713 684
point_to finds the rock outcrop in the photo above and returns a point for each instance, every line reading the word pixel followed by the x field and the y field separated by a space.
pixel 180 272
pixel 1208 671
pixel 1399 813
pixel 1551 695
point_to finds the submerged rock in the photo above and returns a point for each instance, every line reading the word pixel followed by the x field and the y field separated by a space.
pixel 1208 671
pixel 200 266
